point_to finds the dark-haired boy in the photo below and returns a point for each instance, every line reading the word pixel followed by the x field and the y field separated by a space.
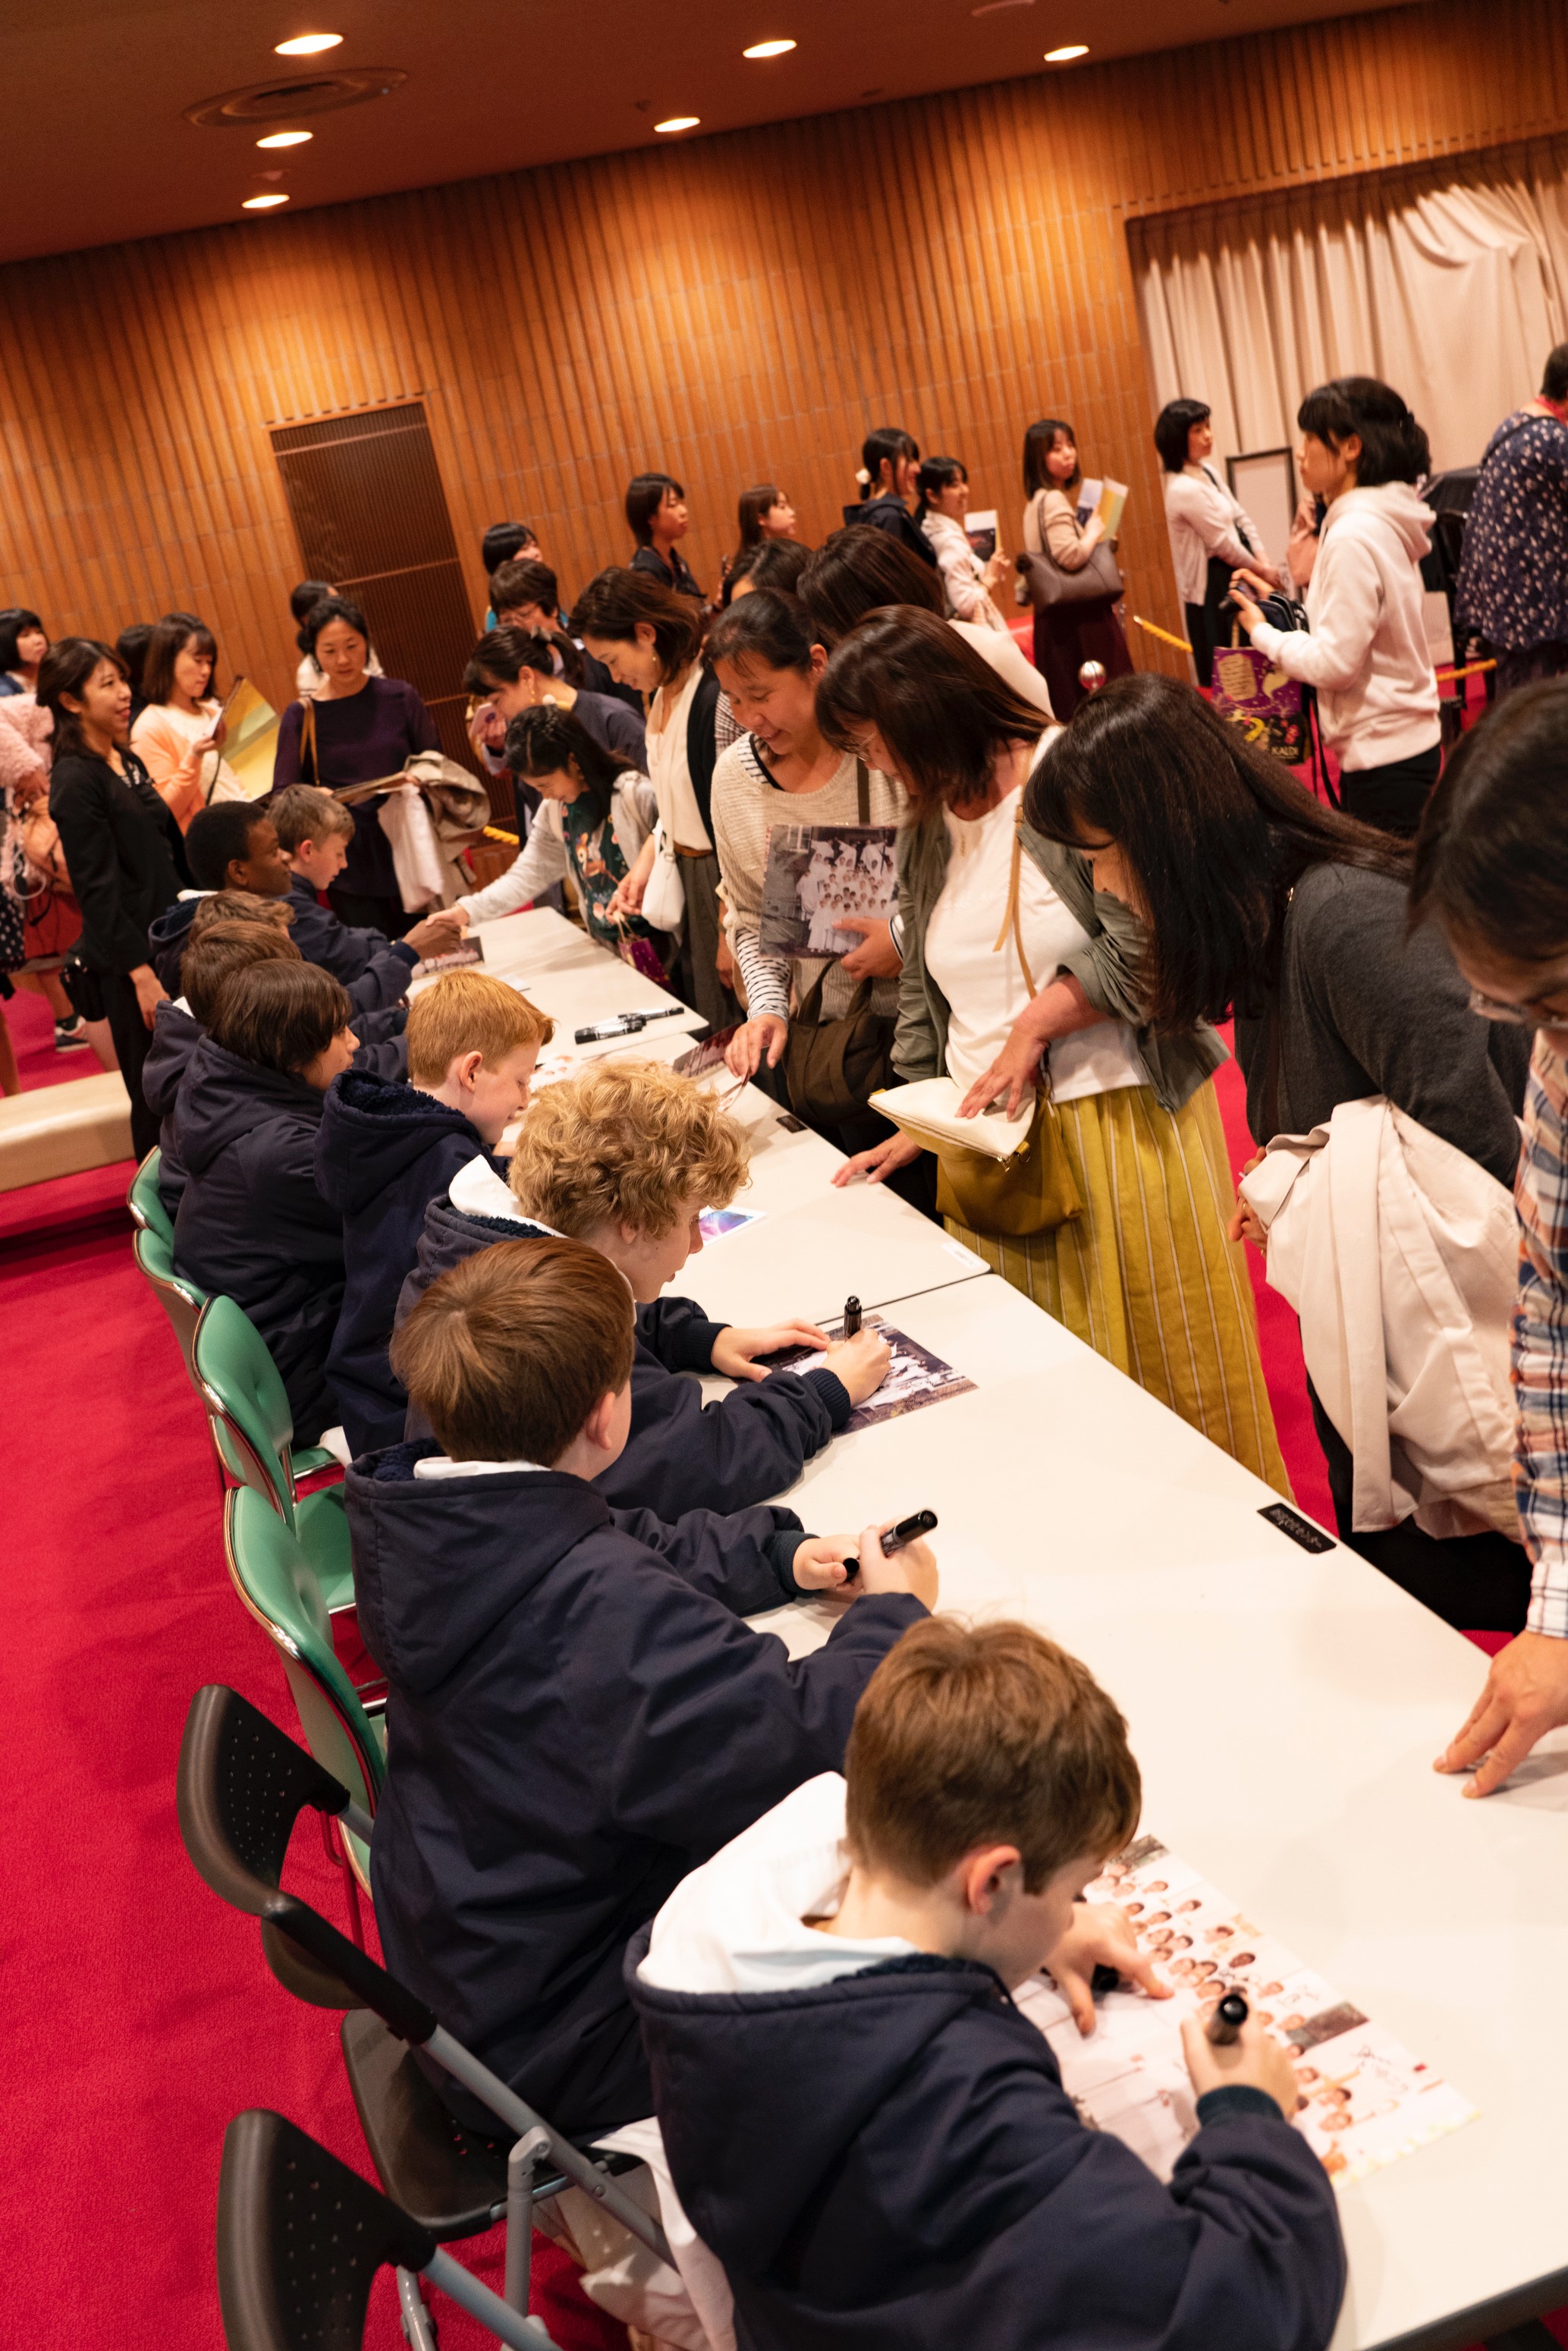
pixel 576 1716
pixel 866 2132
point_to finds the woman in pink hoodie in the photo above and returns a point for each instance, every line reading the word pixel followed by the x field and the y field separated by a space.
pixel 1365 647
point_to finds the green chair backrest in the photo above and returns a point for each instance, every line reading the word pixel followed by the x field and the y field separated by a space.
pixel 145 1202
pixel 278 1586
pixel 245 1392
pixel 181 1300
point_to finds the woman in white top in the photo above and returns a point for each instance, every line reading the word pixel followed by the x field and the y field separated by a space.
pixel 651 638
pixel 1066 635
pixel 856 571
pixel 179 736
pixel 971 586
pixel 1210 532
pixel 1014 972
pixel 1366 650
pixel 594 817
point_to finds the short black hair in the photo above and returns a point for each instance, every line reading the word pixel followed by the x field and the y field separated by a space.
pixel 1394 448
pixel 1491 856
pixel 303 600
pixel 218 835
pixel 1172 425
pixel 1554 374
pixel 280 1014
pixel 502 542
pixel 644 496
pixel 524 579
pixel 13 624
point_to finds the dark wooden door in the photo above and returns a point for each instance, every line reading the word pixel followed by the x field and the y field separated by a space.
pixel 369 513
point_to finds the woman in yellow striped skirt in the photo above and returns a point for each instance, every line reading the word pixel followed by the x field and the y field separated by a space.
pixel 1016 973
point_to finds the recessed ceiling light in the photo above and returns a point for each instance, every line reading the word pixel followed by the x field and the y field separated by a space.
pixel 995 7
pixel 1064 56
pixel 286 139
pixel 308 44
pixel 767 49
pixel 679 122
pixel 262 203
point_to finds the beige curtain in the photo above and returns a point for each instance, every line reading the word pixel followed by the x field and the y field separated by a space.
pixel 1450 283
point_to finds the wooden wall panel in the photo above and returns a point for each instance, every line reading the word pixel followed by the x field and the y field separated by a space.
pixel 737 308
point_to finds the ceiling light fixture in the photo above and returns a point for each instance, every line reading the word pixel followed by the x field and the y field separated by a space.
pixel 1064 56
pixel 767 49
pixel 286 139
pixel 308 44
pixel 679 122
pixel 262 203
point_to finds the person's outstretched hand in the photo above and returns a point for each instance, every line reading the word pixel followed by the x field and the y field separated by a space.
pixel 1526 1695
pixel 1100 1935
pixel 734 1352
pixel 883 1160
pixel 1015 1072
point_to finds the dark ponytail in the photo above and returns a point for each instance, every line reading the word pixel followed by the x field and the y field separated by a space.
pixel 889 442
pixel 1394 448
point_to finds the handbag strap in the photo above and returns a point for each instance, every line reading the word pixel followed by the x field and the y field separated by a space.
pixel 1011 920
pixel 307 740
pixel 863 792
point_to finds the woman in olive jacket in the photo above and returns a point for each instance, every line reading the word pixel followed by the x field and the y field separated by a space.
pixel 122 850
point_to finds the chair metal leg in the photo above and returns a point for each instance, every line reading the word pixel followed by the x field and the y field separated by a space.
pixel 337 1851
pixel 520 2215
pixel 417 2327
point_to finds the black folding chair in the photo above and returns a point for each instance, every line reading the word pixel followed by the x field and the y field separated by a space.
pixel 300 2238
pixel 242 1784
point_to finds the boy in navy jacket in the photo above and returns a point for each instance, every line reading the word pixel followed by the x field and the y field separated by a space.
pixel 216 949
pixel 251 1222
pixel 576 1715
pixel 626 1155
pixel 314 829
pixel 865 2130
pixel 384 1152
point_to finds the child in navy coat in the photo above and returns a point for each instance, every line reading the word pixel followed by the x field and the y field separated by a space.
pixel 865 2131
pixel 576 1716
pixel 384 1152
pixel 626 1155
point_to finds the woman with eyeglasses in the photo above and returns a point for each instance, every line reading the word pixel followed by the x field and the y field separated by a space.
pixel 1263 904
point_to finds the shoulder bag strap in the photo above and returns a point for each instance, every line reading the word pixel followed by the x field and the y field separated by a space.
pixel 307 740
pixel 1010 919
pixel 863 792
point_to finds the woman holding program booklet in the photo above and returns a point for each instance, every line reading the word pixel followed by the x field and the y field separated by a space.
pixel 1013 968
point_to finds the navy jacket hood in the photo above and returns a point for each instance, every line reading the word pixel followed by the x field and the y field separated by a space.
pixel 374 1132
pixel 168 938
pixel 223 1099
pixel 876 2159
pixel 176 1036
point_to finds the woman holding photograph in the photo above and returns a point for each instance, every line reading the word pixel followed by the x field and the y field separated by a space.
pixel 1014 966
pixel 971 586
pixel 180 734
pixel 1066 635
pixel 769 661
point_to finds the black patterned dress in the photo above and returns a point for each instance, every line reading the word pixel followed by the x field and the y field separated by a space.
pixel 1513 578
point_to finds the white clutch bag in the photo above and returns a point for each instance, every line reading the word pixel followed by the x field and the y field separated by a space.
pixel 665 899
pixel 928 1111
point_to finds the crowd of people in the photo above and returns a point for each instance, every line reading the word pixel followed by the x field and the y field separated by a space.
pixel 605 1852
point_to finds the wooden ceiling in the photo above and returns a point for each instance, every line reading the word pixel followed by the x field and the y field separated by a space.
pixel 99 148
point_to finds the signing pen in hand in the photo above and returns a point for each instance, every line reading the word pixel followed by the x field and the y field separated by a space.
pixel 919 1523
pixel 852 1317
pixel 1224 2025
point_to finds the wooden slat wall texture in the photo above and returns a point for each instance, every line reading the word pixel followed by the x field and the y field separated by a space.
pixel 732 309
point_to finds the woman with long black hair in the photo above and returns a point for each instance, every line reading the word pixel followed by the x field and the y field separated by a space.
pixel 890 460
pixel 1262 902
pixel 123 849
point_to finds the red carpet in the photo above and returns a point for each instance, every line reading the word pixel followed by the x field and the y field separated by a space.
pixel 142 2014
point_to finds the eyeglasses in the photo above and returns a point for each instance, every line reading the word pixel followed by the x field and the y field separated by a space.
pixel 1529 1014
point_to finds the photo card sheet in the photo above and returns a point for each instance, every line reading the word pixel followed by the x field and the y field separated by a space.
pixel 915 1377
pixel 817 873
pixel 1362 2100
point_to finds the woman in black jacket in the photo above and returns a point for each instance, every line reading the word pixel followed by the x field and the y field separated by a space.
pixel 122 850
pixel 889 463
pixel 657 516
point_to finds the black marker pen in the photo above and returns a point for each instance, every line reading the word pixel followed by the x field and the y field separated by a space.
pixel 920 1522
pixel 1224 2025
pixel 624 1024
pixel 852 1317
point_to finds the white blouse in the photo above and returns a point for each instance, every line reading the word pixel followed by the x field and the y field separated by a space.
pixel 1204 520
pixel 983 982
pixel 963 573
pixel 667 769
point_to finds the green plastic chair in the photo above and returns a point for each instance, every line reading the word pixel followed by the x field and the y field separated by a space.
pixel 278 1586
pixel 145 1202
pixel 254 1432
pixel 182 1302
